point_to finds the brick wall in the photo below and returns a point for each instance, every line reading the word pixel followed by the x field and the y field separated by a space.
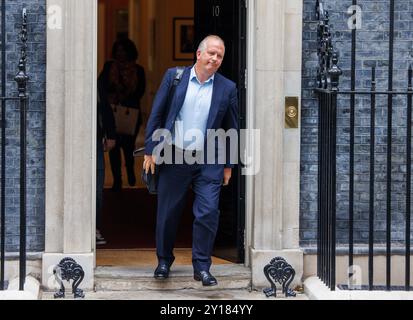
pixel 36 69
pixel 372 49
pixel 372 46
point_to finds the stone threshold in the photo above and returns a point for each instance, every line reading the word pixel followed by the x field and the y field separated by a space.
pixel 181 277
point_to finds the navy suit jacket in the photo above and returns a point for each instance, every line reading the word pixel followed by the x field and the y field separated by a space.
pixel 223 113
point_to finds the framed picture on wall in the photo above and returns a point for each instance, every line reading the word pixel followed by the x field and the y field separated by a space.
pixel 183 39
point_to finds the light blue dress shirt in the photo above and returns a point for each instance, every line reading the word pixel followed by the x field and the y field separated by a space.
pixel 193 114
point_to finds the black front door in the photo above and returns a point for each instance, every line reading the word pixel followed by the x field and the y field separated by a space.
pixel 227 19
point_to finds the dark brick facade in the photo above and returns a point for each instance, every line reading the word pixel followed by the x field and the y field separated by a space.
pixel 36 69
pixel 372 46
pixel 372 49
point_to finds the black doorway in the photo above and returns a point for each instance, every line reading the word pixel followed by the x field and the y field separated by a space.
pixel 130 216
pixel 227 18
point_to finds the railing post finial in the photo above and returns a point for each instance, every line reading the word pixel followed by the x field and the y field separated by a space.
pixel 334 72
pixel 21 78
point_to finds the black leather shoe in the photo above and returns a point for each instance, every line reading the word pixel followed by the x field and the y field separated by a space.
pixel 206 278
pixel 162 271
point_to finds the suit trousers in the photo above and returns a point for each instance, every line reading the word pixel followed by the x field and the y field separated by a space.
pixel 174 182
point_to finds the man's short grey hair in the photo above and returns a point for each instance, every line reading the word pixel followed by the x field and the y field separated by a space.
pixel 203 45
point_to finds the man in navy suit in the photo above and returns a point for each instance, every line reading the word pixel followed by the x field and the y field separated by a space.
pixel 203 101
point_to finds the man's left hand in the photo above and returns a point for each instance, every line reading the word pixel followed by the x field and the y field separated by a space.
pixel 227 176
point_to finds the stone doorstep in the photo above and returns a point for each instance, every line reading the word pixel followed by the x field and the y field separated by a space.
pixel 315 289
pixel 137 283
pixel 180 277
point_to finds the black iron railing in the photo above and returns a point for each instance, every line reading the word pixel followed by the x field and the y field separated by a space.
pixel 21 78
pixel 327 82
pixel 328 74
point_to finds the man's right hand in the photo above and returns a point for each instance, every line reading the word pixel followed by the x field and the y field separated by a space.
pixel 149 163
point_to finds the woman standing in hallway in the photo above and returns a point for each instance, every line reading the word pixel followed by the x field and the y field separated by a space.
pixel 123 84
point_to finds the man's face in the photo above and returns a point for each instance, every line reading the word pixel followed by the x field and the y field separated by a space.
pixel 211 58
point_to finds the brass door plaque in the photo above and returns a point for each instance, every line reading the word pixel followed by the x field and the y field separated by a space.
pixel 291 112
